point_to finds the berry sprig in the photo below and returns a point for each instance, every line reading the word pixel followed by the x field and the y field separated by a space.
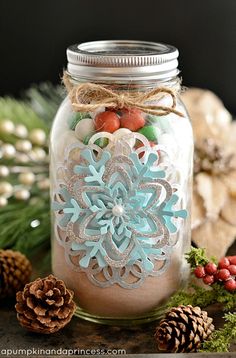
pixel 221 277
pixel 223 273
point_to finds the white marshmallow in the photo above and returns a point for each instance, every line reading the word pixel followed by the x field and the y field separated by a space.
pixel 84 128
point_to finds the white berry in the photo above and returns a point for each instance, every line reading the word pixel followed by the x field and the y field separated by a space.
pixel 4 171
pixel 22 194
pixel 23 145
pixel 38 153
pixel 21 131
pixel 27 178
pixel 7 126
pixel 44 184
pixel 6 188
pixel 3 201
pixel 8 151
pixel 37 136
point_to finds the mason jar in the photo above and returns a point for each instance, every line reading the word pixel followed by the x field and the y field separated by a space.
pixel 121 171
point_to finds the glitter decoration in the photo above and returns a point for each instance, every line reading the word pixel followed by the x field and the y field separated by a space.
pixel 117 213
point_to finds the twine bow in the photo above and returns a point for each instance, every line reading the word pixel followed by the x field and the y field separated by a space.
pixel 87 97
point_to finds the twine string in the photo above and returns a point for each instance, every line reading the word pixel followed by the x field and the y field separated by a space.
pixel 87 97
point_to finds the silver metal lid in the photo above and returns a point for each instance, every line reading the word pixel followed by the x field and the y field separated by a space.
pixel 122 60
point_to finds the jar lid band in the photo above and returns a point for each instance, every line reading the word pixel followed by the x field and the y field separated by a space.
pixel 119 59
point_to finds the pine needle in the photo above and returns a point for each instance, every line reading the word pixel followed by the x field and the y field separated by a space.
pixel 25 226
pixel 202 297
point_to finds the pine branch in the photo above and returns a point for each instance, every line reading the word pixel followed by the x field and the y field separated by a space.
pixel 45 99
pixel 20 112
pixel 25 225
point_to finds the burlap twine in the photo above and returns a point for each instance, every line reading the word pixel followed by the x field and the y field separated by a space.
pixel 87 97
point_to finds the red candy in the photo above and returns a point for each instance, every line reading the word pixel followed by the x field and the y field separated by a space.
pixel 132 119
pixel 211 268
pixel 199 272
pixel 224 263
pixel 230 285
pixel 107 121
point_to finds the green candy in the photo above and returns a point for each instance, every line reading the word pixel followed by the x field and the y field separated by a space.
pixel 102 142
pixel 86 139
pixel 75 118
pixel 150 132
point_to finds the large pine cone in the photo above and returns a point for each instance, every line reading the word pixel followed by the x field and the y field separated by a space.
pixel 15 272
pixel 45 305
pixel 183 329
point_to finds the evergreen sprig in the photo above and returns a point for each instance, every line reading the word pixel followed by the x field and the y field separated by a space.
pixel 45 99
pixel 26 226
pixel 197 256
pixel 203 297
pixel 222 338
pixel 20 112
pixel 199 296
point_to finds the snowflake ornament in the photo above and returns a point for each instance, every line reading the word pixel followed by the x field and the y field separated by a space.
pixel 116 214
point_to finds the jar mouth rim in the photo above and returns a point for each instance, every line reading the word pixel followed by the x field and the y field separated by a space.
pixel 125 48
pixel 114 59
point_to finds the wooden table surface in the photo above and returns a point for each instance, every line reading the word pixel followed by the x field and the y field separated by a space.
pixel 87 336
pixel 84 335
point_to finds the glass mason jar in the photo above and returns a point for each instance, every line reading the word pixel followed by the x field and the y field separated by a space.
pixel 121 171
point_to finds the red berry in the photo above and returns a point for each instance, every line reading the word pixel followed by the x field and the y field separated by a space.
pixel 232 269
pixel 208 279
pixel 224 263
pixel 132 120
pixel 211 268
pixel 107 121
pixel 223 274
pixel 230 285
pixel 232 260
pixel 199 272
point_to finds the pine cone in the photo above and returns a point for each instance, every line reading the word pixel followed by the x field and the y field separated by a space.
pixel 45 305
pixel 15 271
pixel 183 329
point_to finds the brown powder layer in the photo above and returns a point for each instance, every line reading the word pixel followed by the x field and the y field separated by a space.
pixel 116 301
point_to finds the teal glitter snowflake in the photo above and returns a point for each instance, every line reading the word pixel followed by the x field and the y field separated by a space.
pixel 118 214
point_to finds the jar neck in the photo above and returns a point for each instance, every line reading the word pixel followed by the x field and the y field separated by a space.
pixel 119 85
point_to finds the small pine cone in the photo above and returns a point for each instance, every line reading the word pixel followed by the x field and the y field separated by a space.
pixel 45 305
pixel 15 272
pixel 183 329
